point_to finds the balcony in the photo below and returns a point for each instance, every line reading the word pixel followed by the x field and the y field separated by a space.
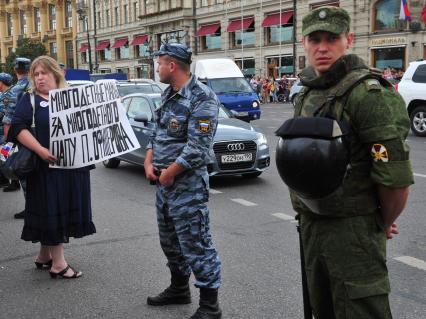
pixel 39 3
pixel 51 34
pixel 8 39
pixel 35 35
pixel 66 31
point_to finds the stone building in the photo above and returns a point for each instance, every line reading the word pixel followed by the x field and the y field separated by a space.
pixel 52 22
pixel 257 34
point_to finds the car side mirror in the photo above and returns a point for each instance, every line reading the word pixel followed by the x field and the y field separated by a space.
pixel 234 113
pixel 141 117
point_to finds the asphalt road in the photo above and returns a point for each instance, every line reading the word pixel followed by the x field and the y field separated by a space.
pixel 253 229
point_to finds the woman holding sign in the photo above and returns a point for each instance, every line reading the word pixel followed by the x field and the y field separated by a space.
pixel 58 203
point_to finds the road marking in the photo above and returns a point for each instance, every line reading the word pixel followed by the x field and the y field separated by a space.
pixel 214 191
pixel 413 262
pixel 419 175
pixel 283 216
pixel 243 202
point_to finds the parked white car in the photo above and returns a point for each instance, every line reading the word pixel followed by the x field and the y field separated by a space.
pixel 412 88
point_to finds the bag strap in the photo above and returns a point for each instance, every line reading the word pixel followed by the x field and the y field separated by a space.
pixel 32 99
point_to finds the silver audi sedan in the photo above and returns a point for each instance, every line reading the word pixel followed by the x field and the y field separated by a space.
pixel 238 148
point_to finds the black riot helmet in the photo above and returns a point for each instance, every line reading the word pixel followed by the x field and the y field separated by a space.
pixel 312 155
pixel 22 64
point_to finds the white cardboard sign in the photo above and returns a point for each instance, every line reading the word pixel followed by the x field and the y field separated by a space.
pixel 88 124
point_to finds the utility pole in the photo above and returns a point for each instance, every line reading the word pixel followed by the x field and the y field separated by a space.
pixel 294 37
pixel 94 36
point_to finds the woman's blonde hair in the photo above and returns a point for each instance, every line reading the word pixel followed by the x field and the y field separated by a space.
pixel 50 65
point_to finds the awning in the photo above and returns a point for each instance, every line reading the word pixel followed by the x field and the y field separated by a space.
pixel 274 19
pixel 102 45
pixel 119 43
pixel 140 39
pixel 84 47
pixel 238 25
pixel 208 29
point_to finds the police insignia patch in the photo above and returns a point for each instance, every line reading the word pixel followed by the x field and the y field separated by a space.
pixel 379 153
pixel 204 126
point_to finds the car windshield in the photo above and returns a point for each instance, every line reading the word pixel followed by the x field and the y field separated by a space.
pixel 124 90
pixel 223 113
pixel 230 85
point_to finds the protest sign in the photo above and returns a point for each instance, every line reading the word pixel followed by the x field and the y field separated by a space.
pixel 88 124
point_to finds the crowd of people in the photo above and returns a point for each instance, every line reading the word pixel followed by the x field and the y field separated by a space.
pixel 272 90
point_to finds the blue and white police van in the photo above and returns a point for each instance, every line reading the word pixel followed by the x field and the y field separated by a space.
pixel 225 78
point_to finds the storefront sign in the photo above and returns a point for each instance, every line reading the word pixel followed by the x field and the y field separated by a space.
pixel 387 41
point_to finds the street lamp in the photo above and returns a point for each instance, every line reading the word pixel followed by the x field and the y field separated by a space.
pixel 82 16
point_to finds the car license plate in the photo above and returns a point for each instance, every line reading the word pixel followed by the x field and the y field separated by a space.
pixel 242 113
pixel 234 158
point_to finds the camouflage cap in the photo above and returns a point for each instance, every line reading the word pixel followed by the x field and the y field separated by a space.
pixel 331 19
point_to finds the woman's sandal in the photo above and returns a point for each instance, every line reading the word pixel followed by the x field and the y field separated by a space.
pixel 45 265
pixel 62 273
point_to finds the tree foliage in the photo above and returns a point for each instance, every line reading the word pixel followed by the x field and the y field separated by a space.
pixel 26 48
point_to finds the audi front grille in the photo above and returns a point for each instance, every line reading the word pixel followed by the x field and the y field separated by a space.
pixel 239 147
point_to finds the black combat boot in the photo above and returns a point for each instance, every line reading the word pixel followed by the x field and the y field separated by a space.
pixel 209 305
pixel 13 186
pixel 178 293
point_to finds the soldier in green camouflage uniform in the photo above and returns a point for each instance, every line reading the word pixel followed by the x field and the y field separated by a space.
pixel 345 248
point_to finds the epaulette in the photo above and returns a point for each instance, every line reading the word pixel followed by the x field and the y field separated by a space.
pixel 376 71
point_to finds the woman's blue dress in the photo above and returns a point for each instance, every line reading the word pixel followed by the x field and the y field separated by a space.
pixel 58 201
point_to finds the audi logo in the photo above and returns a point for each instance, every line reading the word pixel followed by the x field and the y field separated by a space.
pixel 236 147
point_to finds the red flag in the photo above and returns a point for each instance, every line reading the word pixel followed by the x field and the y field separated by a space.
pixel 424 13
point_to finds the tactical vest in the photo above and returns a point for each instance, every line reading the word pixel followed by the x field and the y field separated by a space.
pixel 357 194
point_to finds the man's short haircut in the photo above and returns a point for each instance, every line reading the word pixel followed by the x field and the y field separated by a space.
pixel 181 65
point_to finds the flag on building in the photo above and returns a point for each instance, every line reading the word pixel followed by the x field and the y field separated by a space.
pixel 423 16
pixel 404 13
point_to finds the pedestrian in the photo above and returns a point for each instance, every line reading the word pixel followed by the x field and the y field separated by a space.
pixel 58 201
pixel 177 158
pixel 5 83
pixel 344 230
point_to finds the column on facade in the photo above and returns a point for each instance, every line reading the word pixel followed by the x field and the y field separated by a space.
pixel 3 35
pixel 60 43
pixel 44 19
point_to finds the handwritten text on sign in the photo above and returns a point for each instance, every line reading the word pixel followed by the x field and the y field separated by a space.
pixel 88 125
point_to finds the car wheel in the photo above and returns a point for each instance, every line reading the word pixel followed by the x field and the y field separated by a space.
pixel 111 163
pixel 252 175
pixel 418 121
pixel 294 99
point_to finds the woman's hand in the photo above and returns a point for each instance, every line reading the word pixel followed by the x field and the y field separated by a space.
pixel 45 155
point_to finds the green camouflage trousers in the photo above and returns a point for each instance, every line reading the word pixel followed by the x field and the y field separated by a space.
pixel 346 267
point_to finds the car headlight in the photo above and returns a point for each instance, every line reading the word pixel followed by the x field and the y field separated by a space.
pixel 261 139
pixel 255 104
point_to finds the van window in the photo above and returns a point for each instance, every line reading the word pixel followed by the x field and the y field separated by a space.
pixel 420 75
pixel 230 85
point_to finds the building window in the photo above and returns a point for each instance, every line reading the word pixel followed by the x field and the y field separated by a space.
pixel 69 54
pixel 52 17
pixel 141 50
pixel 135 11
pixel 104 55
pixel 392 58
pixel 83 57
pixel 244 37
pixel 126 13
pixel 386 13
pixel 122 52
pixel 277 70
pixel 116 16
pixel 23 22
pixel 107 17
pixel 68 14
pixel 247 66
pixel 323 4
pixel 172 37
pixel 53 50
pixel 9 24
pixel 37 24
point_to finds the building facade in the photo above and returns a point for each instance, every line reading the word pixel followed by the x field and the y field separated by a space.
pixel 257 34
pixel 52 22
